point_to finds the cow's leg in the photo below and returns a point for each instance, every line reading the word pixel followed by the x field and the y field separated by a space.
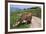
pixel 28 21
pixel 14 25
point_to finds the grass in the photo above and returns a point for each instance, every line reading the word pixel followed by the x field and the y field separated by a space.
pixel 23 25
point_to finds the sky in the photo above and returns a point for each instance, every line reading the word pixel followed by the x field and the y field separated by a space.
pixel 21 6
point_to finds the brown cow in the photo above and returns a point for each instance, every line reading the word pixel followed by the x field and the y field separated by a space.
pixel 25 18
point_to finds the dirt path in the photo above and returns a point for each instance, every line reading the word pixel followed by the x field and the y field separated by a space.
pixel 36 22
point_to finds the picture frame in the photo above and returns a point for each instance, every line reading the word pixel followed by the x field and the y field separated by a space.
pixel 23 3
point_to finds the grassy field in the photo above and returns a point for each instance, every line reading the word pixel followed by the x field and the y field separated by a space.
pixel 36 11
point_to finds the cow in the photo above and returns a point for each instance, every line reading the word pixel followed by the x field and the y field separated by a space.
pixel 25 18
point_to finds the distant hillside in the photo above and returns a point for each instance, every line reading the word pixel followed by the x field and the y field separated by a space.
pixel 13 9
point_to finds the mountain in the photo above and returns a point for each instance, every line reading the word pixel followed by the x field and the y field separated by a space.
pixel 12 9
